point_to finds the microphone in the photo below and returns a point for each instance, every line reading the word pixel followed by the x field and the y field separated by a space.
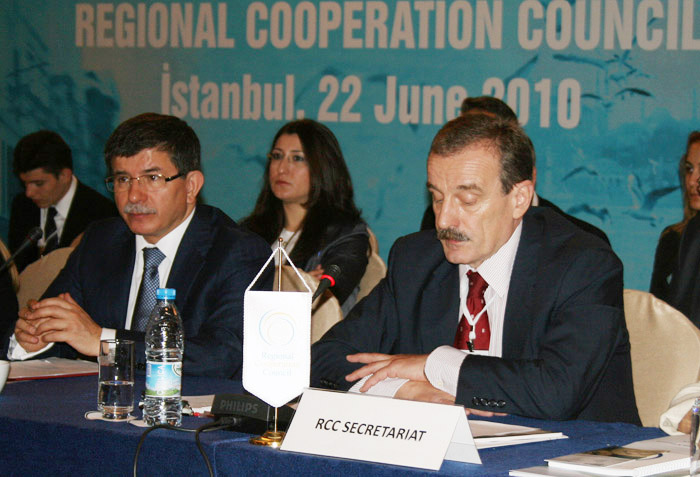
pixel 32 237
pixel 327 280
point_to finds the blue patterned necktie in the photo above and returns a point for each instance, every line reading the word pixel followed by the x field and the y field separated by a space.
pixel 147 291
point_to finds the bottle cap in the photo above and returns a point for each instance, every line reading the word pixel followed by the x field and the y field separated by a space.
pixel 165 294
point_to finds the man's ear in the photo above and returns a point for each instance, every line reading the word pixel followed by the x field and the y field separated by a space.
pixel 194 181
pixel 522 197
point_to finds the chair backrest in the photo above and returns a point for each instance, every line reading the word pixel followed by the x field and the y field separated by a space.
pixel 665 352
pixel 376 270
pixel 373 242
pixel 325 311
pixel 37 276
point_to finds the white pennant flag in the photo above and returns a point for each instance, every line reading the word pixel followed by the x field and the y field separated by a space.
pixel 276 341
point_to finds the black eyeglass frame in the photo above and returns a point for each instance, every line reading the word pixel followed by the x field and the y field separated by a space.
pixel 109 181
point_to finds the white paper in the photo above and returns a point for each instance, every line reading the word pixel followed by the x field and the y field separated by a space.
pixel 488 434
pixel 50 368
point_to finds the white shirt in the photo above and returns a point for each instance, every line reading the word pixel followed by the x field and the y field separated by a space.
pixel 62 208
pixel 443 364
pixel 168 245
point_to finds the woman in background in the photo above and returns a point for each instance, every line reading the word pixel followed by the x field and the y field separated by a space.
pixel 307 201
pixel 666 254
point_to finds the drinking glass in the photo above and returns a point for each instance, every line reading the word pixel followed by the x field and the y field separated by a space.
pixel 115 391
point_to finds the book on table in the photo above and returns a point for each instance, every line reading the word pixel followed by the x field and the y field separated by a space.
pixel 638 459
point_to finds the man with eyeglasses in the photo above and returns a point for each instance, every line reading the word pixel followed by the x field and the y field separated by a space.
pixel 164 238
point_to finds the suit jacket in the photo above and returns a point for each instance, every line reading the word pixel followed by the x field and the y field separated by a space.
pixel 215 262
pixel 565 342
pixel 582 224
pixel 87 206
pixel 684 292
pixel 347 246
pixel 665 261
pixel 428 221
pixel 8 304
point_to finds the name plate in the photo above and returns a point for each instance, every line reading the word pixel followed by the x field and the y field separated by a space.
pixel 379 429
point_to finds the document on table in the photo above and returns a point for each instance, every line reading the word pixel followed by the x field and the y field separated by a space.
pixel 50 368
pixel 495 434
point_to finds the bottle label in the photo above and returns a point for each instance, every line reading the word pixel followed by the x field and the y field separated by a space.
pixel 163 379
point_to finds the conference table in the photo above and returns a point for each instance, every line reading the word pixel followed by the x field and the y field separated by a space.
pixel 43 431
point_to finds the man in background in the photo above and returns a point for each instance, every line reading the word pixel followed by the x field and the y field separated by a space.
pixel 53 197
pixel 163 239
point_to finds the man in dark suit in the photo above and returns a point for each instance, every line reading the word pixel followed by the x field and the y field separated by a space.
pixel 510 308
pixel 53 198
pixel 684 293
pixel 156 177
pixel 497 108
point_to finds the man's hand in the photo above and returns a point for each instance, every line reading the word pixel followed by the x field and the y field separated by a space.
pixel 382 366
pixel 25 330
pixel 423 391
pixel 61 319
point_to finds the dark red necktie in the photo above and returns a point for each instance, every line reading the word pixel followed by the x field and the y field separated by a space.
pixel 475 303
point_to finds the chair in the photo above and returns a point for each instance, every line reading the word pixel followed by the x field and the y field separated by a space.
pixel 325 311
pixel 665 352
pixel 36 278
pixel 376 270
pixel 373 242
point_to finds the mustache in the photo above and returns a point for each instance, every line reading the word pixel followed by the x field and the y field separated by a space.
pixel 452 234
pixel 138 209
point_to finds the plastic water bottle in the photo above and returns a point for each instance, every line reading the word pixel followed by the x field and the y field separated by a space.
pixel 164 349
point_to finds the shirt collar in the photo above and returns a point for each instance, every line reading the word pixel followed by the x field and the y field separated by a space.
pixel 170 242
pixel 63 205
pixel 496 269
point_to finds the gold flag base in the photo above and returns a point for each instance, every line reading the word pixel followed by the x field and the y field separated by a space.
pixel 270 439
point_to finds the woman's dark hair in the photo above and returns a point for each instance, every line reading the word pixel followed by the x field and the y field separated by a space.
pixel 330 200
pixel 688 213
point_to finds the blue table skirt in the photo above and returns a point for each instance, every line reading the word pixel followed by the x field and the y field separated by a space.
pixel 43 432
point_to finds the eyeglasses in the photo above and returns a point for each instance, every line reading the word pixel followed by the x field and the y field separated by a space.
pixel 122 182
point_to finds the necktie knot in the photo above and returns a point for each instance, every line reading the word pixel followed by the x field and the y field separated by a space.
pixel 152 257
pixel 477 284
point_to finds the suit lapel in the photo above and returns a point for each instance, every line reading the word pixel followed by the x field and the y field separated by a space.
pixel 189 259
pixel 439 307
pixel 518 318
